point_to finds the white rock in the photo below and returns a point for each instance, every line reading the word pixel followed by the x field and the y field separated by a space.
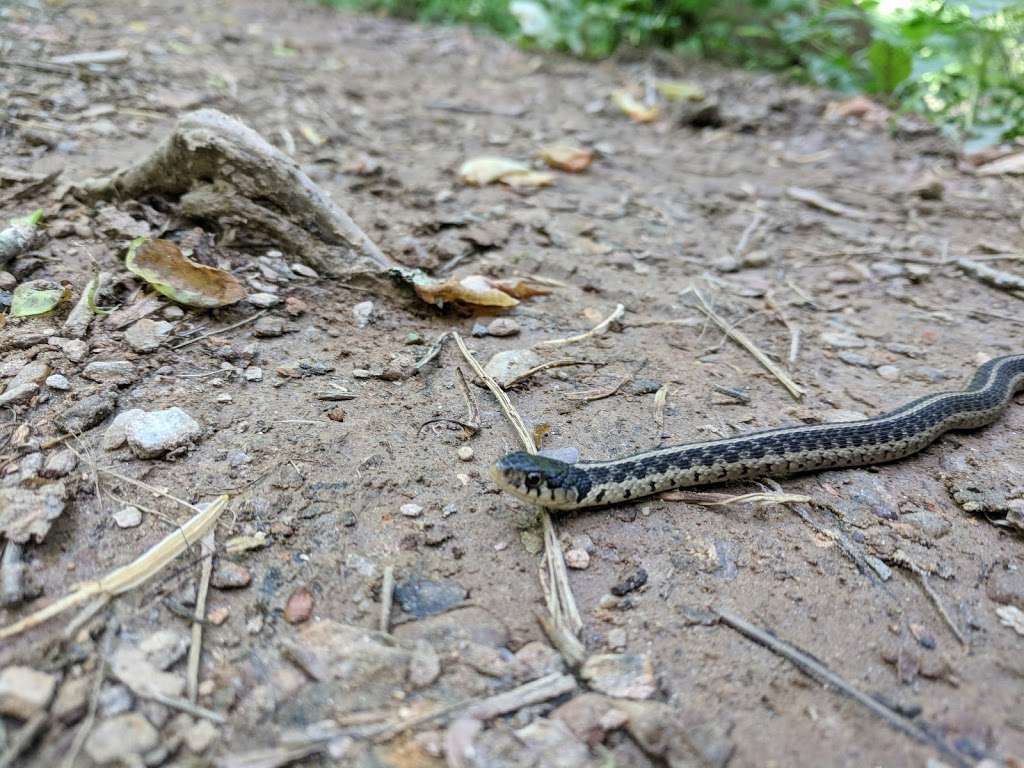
pixel 121 739
pixel 58 381
pixel 263 300
pixel 411 510
pixel 623 675
pixel 116 372
pixel 362 312
pixel 165 647
pixel 60 464
pixel 20 393
pixel 131 666
pixel 147 335
pixel 507 365
pixel 465 453
pixel 155 432
pixel 25 691
pixel 252 373
pixel 114 437
pixel 200 736
pixel 129 517
pixel 302 269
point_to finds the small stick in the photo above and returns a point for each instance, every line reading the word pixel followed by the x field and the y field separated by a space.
pixel 601 394
pixel 387 596
pixel 434 351
pixel 815 669
pixel 195 651
pixel 597 330
pixel 231 327
pixel 735 394
pixel 748 233
pixel 472 409
pixel 744 341
pixel 182 705
pixel 707 499
pixel 901 558
pixel 545 366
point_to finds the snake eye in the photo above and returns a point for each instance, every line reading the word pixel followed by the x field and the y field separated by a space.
pixel 532 479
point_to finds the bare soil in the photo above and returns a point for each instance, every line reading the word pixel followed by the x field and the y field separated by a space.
pixel 381 114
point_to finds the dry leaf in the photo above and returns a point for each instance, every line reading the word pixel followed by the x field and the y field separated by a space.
pixel 565 157
pixel 481 171
pixel 161 264
pixel 474 289
pixel 679 90
pixel 520 287
pixel 37 297
pixel 638 111
pixel 1010 164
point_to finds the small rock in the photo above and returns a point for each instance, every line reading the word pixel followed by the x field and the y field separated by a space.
pixel 121 739
pixel 362 312
pixel 888 372
pixel 503 326
pixel 268 327
pixel 932 525
pixel 253 374
pixel 628 676
pixel 153 433
pixel 843 275
pixel 114 700
pixel 58 381
pixel 263 300
pixel 479 330
pixel 537 659
pixel 147 335
pixel 299 606
pixel 60 464
pixel 425 597
pixel 726 264
pixel 424 664
pixel 131 666
pixel 855 358
pixel 508 365
pixel 25 691
pixel 173 312
pixel 294 306
pixel 842 341
pixel 632 582
pixel 200 736
pixel 8 282
pixel 120 373
pixel 29 512
pixel 577 558
pixel 165 648
pixel 17 394
pixel 72 699
pixel 302 269
pixel 465 453
pixel 230 575
pixel 114 436
pixel 411 510
pixel 617 639
pixel 74 350
pixel 30 373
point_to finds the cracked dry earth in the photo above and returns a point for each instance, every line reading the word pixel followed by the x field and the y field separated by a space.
pixel 331 494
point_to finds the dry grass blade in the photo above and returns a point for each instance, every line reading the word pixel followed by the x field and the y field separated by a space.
pixel 239 324
pixel 597 330
pixel 660 398
pixel 744 341
pixel 195 650
pixel 545 366
pixel 724 499
pixel 127 577
pixel 566 620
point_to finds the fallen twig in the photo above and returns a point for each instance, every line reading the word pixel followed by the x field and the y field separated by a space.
pixel 195 651
pixel 744 341
pixel 901 558
pixel 597 330
pixel 815 669
pixel 748 233
pixel 219 331
pixel 545 366
pixel 601 394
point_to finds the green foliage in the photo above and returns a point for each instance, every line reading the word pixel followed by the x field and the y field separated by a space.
pixel 961 63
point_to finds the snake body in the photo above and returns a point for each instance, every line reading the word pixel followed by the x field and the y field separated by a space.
pixel 772 453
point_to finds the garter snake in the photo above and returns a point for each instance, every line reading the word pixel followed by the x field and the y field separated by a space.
pixel 772 453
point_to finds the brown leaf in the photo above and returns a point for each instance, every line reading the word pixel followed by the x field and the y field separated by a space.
pixel 636 110
pixel 568 158
pixel 161 264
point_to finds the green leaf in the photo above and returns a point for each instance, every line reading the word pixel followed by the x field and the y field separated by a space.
pixel 37 297
pixel 890 66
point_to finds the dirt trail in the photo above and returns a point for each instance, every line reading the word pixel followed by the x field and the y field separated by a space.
pixel 382 114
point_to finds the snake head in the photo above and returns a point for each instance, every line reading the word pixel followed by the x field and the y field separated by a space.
pixel 538 479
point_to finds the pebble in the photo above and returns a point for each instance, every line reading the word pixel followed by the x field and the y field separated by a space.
pixel 479 330
pixel 583 715
pixel 173 312
pixel 465 453
pixel 129 517
pixel 28 512
pixel 302 269
pixel 30 373
pixel 120 373
pixel 537 659
pixel 86 413
pixel 855 358
pixel 268 327
pixel 8 282
pixel 577 558
pixel 888 372
pixel 153 433
pixel 25 691
pixel 114 436
pixel 299 606
pixel 839 276
pixel 294 306
pixel 114 700
pixel 617 639
pixel 726 264
pixel 263 300
pixel 424 664
pixel 147 335
pixel 253 374
pixel 74 350
pixel 842 341
pixel 60 464
pixel 362 312
pixel 622 675
pixel 20 393
pixel 72 699
pixel 130 665
pixel 503 326
pixel 508 365
pixel 411 510
pixel 121 739
pixel 230 575
pixel 200 736
pixel 165 648
pixel 421 597
pixel 58 381
pixel 631 583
